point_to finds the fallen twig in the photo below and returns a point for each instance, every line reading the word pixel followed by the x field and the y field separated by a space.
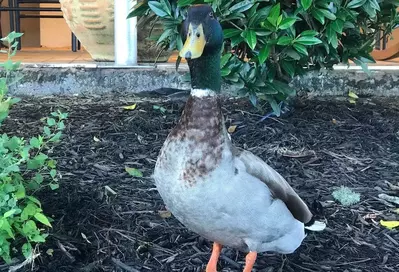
pixel 123 266
pixel 393 199
pixel 26 262
pixel 63 249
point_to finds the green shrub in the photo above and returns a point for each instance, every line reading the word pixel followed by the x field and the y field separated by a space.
pixel 24 170
pixel 267 42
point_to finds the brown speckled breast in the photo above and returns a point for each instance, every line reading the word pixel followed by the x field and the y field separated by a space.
pixel 201 128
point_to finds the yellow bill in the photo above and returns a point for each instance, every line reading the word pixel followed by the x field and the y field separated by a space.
pixel 194 44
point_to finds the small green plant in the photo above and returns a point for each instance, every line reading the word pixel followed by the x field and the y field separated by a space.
pixel 346 196
pixel 160 108
pixel 25 168
pixel 267 43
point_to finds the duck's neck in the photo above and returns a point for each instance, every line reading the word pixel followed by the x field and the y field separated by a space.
pixel 205 73
pixel 202 119
pixel 203 110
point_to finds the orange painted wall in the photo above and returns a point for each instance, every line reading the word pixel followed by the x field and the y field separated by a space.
pixel 40 32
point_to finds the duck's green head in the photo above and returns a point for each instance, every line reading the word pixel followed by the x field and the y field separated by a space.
pixel 202 33
pixel 203 38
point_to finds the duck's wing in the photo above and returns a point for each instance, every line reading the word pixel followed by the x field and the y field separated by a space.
pixel 278 186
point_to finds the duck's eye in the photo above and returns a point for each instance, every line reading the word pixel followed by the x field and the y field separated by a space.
pixel 211 14
pixel 198 35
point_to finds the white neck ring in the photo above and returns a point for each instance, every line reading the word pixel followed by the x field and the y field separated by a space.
pixel 202 92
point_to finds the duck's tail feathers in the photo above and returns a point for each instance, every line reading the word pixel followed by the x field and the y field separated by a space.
pixel 314 225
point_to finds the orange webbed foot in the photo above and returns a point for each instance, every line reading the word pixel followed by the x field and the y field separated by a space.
pixel 213 261
pixel 250 261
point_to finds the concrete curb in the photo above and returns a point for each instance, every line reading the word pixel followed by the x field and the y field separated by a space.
pixel 338 82
pixel 99 78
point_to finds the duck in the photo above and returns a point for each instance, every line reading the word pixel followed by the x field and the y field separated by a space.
pixel 224 193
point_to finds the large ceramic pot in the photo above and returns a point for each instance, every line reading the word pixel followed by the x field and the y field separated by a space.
pixel 92 22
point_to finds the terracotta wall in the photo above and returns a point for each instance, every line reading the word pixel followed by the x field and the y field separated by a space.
pixel 54 32
pixel 31 28
pixel 49 32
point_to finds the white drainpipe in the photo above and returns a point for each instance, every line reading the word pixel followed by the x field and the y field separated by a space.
pixel 125 34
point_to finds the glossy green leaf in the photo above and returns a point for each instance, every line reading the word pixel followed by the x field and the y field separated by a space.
pixel 138 10
pixel 279 19
pixel 252 11
pixel 274 14
pixel 348 24
pixel 165 35
pixel 363 65
pixel 292 53
pixel 307 40
pixel 369 9
pixel 356 3
pixel 374 4
pixel 309 33
pixel 157 8
pixel 301 49
pixel 287 23
pixel 182 3
pixel 225 58
pixel 250 37
pixel 260 16
pixel 42 219
pixel 225 71
pixel 275 107
pixel 267 25
pixel 34 200
pixel 331 36
pixel 318 15
pixel 253 99
pixel 264 53
pixel 236 40
pixel 166 6
pixel 262 32
pixel 328 14
pixel 306 4
pixel 337 26
pixel 283 88
pixel 284 40
pixel 288 67
pixel 231 32
pixel 242 6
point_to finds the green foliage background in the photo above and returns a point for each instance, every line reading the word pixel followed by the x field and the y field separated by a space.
pixel 267 42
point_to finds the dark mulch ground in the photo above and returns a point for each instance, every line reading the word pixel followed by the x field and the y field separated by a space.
pixel 96 231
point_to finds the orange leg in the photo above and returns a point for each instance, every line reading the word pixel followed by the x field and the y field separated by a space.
pixel 213 261
pixel 250 261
